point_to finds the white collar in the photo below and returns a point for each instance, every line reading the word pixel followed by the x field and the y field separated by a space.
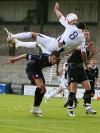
pixel 93 67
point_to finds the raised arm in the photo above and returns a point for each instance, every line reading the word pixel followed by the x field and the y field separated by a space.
pixel 12 60
pixel 56 9
pixel 94 51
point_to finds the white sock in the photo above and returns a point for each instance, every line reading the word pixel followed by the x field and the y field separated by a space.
pixel 67 94
pixel 70 107
pixel 88 106
pixel 24 35
pixel 25 44
pixel 55 92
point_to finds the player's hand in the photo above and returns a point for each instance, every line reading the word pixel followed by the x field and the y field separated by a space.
pixel 56 6
pixel 57 73
pixel 91 45
pixel 11 60
pixel 94 51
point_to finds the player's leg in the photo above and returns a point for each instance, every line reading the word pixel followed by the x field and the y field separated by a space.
pixel 25 44
pixel 47 42
pixel 87 97
pixel 92 88
pixel 38 80
pixel 39 94
pixel 75 101
pixel 18 44
pixel 63 86
pixel 73 87
pixel 53 93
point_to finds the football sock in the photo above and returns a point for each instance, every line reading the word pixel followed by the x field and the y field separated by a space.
pixel 75 99
pixel 25 44
pixel 55 92
pixel 40 98
pixel 24 35
pixel 70 107
pixel 70 100
pixel 87 97
pixel 36 97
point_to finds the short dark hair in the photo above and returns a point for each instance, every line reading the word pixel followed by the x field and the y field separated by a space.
pixel 81 25
pixel 55 53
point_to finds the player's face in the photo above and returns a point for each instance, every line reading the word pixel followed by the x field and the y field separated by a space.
pixel 93 62
pixel 54 59
pixel 86 35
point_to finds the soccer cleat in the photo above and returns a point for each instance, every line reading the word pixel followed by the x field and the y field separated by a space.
pixel 36 114
pixel 90 111
pixel 8 34
pixel 71 113
pixel 36 110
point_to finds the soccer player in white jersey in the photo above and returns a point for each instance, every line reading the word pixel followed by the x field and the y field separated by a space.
pixel 63 85
pixel 71 38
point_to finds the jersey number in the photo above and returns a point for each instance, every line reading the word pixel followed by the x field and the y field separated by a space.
pixel 73 35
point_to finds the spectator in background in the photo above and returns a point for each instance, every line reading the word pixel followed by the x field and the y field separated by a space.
pixel 92 73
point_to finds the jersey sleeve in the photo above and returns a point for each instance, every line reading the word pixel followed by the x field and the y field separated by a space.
pixel 63 21
pixel 82 47
pixel 32 57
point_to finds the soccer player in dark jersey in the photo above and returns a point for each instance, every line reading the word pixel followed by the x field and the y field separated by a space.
pixel 35 75
pixel 77 75
pixel 92 73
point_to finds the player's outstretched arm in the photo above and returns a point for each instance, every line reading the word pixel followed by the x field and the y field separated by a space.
pixel 12 60
pixel 56 9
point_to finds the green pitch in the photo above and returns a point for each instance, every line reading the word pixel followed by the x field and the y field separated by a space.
pixel 15 116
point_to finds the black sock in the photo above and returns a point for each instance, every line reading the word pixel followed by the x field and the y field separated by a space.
pixel 70 99
pixel 87 97
pixel 75 99
pixel 38 97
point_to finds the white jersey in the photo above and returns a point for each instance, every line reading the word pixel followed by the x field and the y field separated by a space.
pixel 72 36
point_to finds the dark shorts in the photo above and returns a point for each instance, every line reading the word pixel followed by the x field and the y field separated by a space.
pixel 77 74
pixel 33 75
pixel 92 87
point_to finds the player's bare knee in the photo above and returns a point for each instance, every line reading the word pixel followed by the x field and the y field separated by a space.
pixel 34 35
pixel 87 87
pixel 42 87
pixel 92 94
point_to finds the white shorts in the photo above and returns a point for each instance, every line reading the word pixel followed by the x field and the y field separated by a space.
pixel 64 83
pixel 49 43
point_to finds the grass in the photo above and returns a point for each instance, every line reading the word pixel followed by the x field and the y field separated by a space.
pixel 15 116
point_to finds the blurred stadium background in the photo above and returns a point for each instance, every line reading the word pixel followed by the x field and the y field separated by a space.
pixel 39 16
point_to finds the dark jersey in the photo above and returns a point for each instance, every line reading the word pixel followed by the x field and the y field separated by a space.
pixel 76 57
pixel 92 73
pixel 38 61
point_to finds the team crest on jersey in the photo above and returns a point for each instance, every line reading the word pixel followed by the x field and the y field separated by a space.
pixel 71 78
pixel 36 75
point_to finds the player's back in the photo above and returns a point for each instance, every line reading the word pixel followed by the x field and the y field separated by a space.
pixel 72 36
